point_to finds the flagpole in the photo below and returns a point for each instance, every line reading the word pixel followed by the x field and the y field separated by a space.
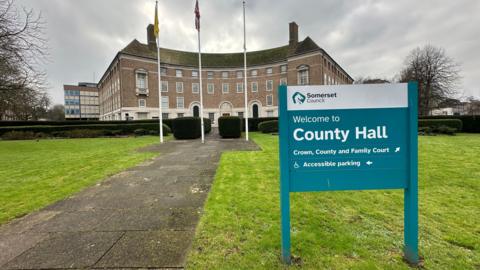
pixel 160 113
pixel 201 91
pixel 245 72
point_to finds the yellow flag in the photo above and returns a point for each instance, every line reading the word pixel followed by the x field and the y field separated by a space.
pixel 157 28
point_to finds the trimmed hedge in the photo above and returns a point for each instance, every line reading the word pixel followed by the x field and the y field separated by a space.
pixel 471 123
pixel 253 122
pixel 268 126
pixel 230 126
pixel 187 128
pixel 107 129
pixel 78 122
pixel 207 125
pixel 437 123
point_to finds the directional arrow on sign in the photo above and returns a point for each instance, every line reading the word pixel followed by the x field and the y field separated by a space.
pixel 369 163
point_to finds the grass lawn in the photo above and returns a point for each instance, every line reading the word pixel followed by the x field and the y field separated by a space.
pixel 240 228
pixel 35 174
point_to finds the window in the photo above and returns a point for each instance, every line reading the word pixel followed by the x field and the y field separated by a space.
pixel 164 115
pixel 178 73
pixel 141 80
pixel 269 70
pixel 165 102
pixel 210 88
pixel 283 81
pixel 239 74
pixel 142 103
pixel 254 73
pixel 164 86
pixel 283 68
pixel 324 78
pixel 180 115
pixel 269 100
pixel 211 116
pixel 195 73
pixel 180 103
pixel 239 87
pixel 225 74
pixel 254 87
pixel 163 71
pixel 240 114
pixel 179 87
pixel 195 88
pixel 303 75
pixel 210 74
pixel 269 85
pixel 225 88
pixel 269 113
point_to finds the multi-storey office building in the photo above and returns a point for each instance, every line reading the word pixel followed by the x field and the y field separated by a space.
pixel 81 101
pixel 129 87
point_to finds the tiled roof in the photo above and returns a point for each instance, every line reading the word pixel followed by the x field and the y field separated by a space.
pixel 220 60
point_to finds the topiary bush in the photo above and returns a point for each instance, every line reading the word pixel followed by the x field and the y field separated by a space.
pixel 434 124
pixel 186 128
pixel 254 122
pixel 268 126
pixel 230 126
pixel 207 125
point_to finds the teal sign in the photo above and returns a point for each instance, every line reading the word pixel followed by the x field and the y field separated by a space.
pixel 349 137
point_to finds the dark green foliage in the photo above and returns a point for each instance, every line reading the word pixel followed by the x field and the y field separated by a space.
pixel 168 122
pixel 230 126
pixel 19 135
pixel 187 128
pixel 471 123
pixel 253 122
pixel 83 133
pixel 106 129
pixel 268 126
pixel 141 132
pixel 436 123
pixel 207 124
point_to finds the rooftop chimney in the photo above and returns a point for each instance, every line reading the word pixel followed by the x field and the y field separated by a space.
pixel 151 35
pixel 293 34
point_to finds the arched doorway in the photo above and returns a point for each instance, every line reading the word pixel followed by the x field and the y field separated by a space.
pixel 255 111
pixel 226 109
pixel 196 111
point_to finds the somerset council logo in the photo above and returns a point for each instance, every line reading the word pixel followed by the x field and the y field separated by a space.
pixel 298 98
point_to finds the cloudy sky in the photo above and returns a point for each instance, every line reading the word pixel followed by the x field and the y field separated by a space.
pixel 367 37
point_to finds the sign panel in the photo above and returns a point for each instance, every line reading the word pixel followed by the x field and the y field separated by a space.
pixel 348 137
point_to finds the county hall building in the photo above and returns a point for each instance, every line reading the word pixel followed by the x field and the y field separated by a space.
pixel 129 87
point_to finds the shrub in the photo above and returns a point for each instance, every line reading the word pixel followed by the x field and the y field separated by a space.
pixel 207 125
pixel 83 133
pixel 140 132
pixel 254 122
pixel 186 128
pixel 268 126
pixel 445 130
pixel 471 123
pixel 434 124
pixel 19 135
pixel 230 126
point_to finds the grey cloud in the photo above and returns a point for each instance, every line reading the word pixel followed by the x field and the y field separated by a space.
pixel 367 37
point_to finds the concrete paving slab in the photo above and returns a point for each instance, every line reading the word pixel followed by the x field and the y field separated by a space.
pixel 12 245
pixel 66 250
pixel 149 249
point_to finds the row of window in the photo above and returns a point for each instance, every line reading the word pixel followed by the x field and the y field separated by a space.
pixel 72 102
pixel 225 87
pixel 72 93
pixel 142 103
pixel 179 73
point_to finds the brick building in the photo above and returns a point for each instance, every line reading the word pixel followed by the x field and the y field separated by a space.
pixel 129 87
pixel 81 101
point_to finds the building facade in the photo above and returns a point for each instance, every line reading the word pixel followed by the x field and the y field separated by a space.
pixel 81 102
pixel 129 87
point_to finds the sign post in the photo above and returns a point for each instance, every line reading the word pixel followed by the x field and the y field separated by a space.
pixel 349 137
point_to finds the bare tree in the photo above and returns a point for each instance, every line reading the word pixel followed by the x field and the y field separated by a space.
pixel 56 113
pixel 369 80
pixel 22 53
pixel 436 73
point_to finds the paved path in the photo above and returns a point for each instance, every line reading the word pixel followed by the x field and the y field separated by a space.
pixel 144 217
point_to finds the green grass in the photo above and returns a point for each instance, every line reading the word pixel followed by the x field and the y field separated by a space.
pixel 240 228
pixel 35 174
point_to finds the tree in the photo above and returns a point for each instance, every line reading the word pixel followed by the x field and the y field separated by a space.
pixel 368 80
pixel 22 53
pixel 56 113
pixel 436 73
